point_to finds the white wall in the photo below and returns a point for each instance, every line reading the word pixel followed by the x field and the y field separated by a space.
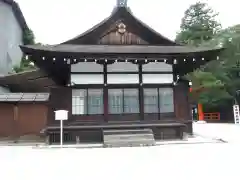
pixel 87 78
pixel 157 78
pixel 86 67
pixel 123 78
pixel 157 66
pixel 122 67
pixel 10 39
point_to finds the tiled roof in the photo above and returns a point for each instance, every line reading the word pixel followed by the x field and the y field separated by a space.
pixel 133 49
pixel 24 97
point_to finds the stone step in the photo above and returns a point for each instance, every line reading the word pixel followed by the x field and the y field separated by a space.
pixel 130 136
pixel 130 144
pixel 118 138
pixel 129 131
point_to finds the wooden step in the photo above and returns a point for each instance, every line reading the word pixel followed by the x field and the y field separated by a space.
pixel 128 137
pixel 128 131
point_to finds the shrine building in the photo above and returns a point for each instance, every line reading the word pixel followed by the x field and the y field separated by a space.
pixel 118 75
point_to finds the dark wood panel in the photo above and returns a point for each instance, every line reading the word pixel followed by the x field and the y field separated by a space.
pixel 94 134
pixel 60 99
pixel 87 117
pixel 160 116
pixel 151 116
pixel 181 104
pixel 125 72
pixel 123 117
pixel 31 119
pixel 127 38
pixel 22 119
pixel 7 123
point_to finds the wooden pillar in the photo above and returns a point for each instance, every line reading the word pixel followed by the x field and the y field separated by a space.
pixel 182 107
pixel 141 94
pixel 61 98
pixel 105 93
pixel 200 112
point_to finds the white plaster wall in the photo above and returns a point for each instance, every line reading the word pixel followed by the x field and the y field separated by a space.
pixel 87 78
pixel 10 39
pixel 157 66
pixel 86 67
pixel 122 78
pixel 122 67
pixel 157 78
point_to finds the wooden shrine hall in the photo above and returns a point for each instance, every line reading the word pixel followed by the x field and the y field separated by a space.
pixel 119 75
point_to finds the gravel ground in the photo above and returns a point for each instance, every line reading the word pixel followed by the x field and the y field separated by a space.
pixel 182 161
pixel 226 132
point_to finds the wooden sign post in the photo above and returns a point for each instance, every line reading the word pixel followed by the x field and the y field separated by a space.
pixel 61 115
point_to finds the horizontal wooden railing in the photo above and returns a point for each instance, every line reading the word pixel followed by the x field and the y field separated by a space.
pixel 212 116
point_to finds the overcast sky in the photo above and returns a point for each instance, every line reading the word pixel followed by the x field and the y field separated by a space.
pixel 54 21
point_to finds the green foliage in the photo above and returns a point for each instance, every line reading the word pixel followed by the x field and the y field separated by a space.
pixel 224 73
pixel 219 79
pixel 212 89
pixel 26 64
pixel 28 37
pixel 198 25
pixel 211 98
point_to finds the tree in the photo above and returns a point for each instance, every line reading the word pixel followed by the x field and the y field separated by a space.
pixel 28 37
pixel 198 28
pixel 198 25
pixel 225 71
pixel 26 64
pixel 229 66
pixel 209 89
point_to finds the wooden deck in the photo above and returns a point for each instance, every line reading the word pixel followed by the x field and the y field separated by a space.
pixel 113 124
pixel 92 132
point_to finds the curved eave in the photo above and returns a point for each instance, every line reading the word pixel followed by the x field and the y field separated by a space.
pixel 69 50
pixel 187 60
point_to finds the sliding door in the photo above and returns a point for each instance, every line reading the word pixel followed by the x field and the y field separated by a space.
pixel 123 104
pixel 87 104
pixel 158 103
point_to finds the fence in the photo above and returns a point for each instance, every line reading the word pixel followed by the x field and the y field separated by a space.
pixel 212 116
